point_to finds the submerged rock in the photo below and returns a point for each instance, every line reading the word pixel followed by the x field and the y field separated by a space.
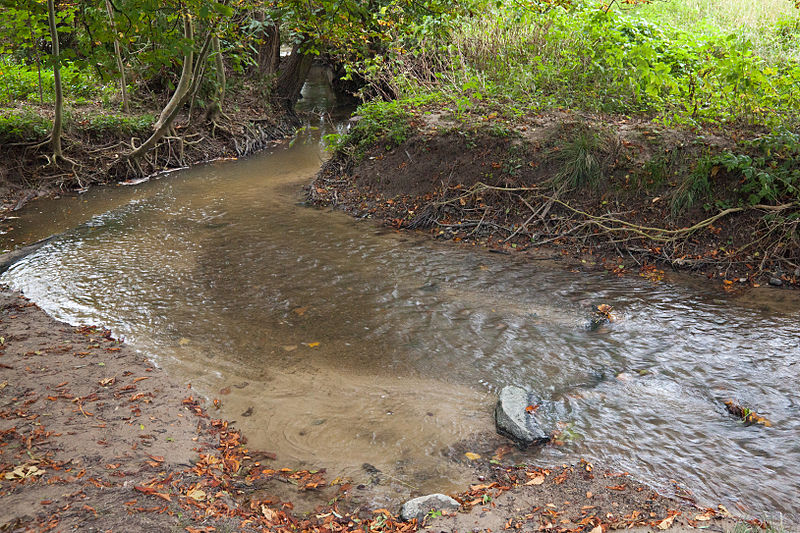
pixel 518 416
pixel 420 507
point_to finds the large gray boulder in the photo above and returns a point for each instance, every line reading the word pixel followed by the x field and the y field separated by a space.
pixel 420 507
pixel 514 420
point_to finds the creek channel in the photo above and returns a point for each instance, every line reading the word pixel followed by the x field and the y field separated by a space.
pixel 338 344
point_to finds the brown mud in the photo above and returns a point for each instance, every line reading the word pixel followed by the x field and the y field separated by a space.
pixel 599 190
pixel 94 437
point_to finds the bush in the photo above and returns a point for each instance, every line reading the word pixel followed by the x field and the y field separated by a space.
pixel 16 126
pixel 120 124
pixel 20 82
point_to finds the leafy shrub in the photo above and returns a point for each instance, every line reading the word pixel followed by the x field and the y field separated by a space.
pixel 21 82
pixel 380 121
pixel 582 57
pixel 18 126
pixel 120 124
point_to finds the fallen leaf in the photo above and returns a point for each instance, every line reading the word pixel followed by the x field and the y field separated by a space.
pixel 290 347
pixel 536 480
pixel 196 494
pixel 183 341
pixel 23 472
pixel 312 344
pixel 472 456
pixel 664 524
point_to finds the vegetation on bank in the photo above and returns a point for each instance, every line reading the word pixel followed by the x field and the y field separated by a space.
pixel 716 103
pixel 110 89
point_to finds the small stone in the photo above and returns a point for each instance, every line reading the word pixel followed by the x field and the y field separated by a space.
pixel 420 507
pixel 517 417
pixel 775 282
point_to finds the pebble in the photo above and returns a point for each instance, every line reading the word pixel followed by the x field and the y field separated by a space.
pixel 775 282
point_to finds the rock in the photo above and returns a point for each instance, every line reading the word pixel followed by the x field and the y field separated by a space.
pixel 775 282
pixel 420 507
pixel 797 272
pixel 515 420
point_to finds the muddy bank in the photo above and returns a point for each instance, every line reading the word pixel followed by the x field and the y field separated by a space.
pixel 621 192
pixel 96 144
pixel 92 435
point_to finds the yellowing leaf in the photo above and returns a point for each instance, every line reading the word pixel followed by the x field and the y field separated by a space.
pixel 196 494
pixel 472 456
pixel 22 472
pixel 183 341
pixel 312 344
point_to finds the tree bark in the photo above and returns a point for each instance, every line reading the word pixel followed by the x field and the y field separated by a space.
pixel 55 140
pixel 292 76
pixel 219 66
pixel 123 84
pixel 269 52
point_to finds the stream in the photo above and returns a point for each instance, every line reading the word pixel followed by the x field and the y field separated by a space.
pixel 336 343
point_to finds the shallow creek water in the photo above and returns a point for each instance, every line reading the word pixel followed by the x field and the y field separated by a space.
pixel 347 344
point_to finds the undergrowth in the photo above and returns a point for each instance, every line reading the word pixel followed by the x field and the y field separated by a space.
pixel 22 126
pixel 520 60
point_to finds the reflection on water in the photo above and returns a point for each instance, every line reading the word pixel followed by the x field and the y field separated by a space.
pixel 344 345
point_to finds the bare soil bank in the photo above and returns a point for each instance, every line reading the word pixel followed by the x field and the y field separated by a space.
pixel 94 437
pixel 615 188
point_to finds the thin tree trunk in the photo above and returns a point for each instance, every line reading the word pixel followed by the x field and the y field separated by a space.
pixel 55 141
pixel 220 71
pixel 123 84
pixel 190 77
pixel 38 61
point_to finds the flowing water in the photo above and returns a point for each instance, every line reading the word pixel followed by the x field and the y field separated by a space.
pixel 335 343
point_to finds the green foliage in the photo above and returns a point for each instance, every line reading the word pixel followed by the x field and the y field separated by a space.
pixel 770 172
pixel 523 60
pixel 379 121
pixel 120 124
pixel 16 126
pixel 21 82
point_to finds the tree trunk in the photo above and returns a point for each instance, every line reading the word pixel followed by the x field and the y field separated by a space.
pixel 55 140
pixel 292 76
pixel 219 66
pixel 123 84
pixel 190 78
pixel 185 81
pixel 269 52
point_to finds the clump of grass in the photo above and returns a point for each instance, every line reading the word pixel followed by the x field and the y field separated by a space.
pixel 581 161
pixel 695 187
